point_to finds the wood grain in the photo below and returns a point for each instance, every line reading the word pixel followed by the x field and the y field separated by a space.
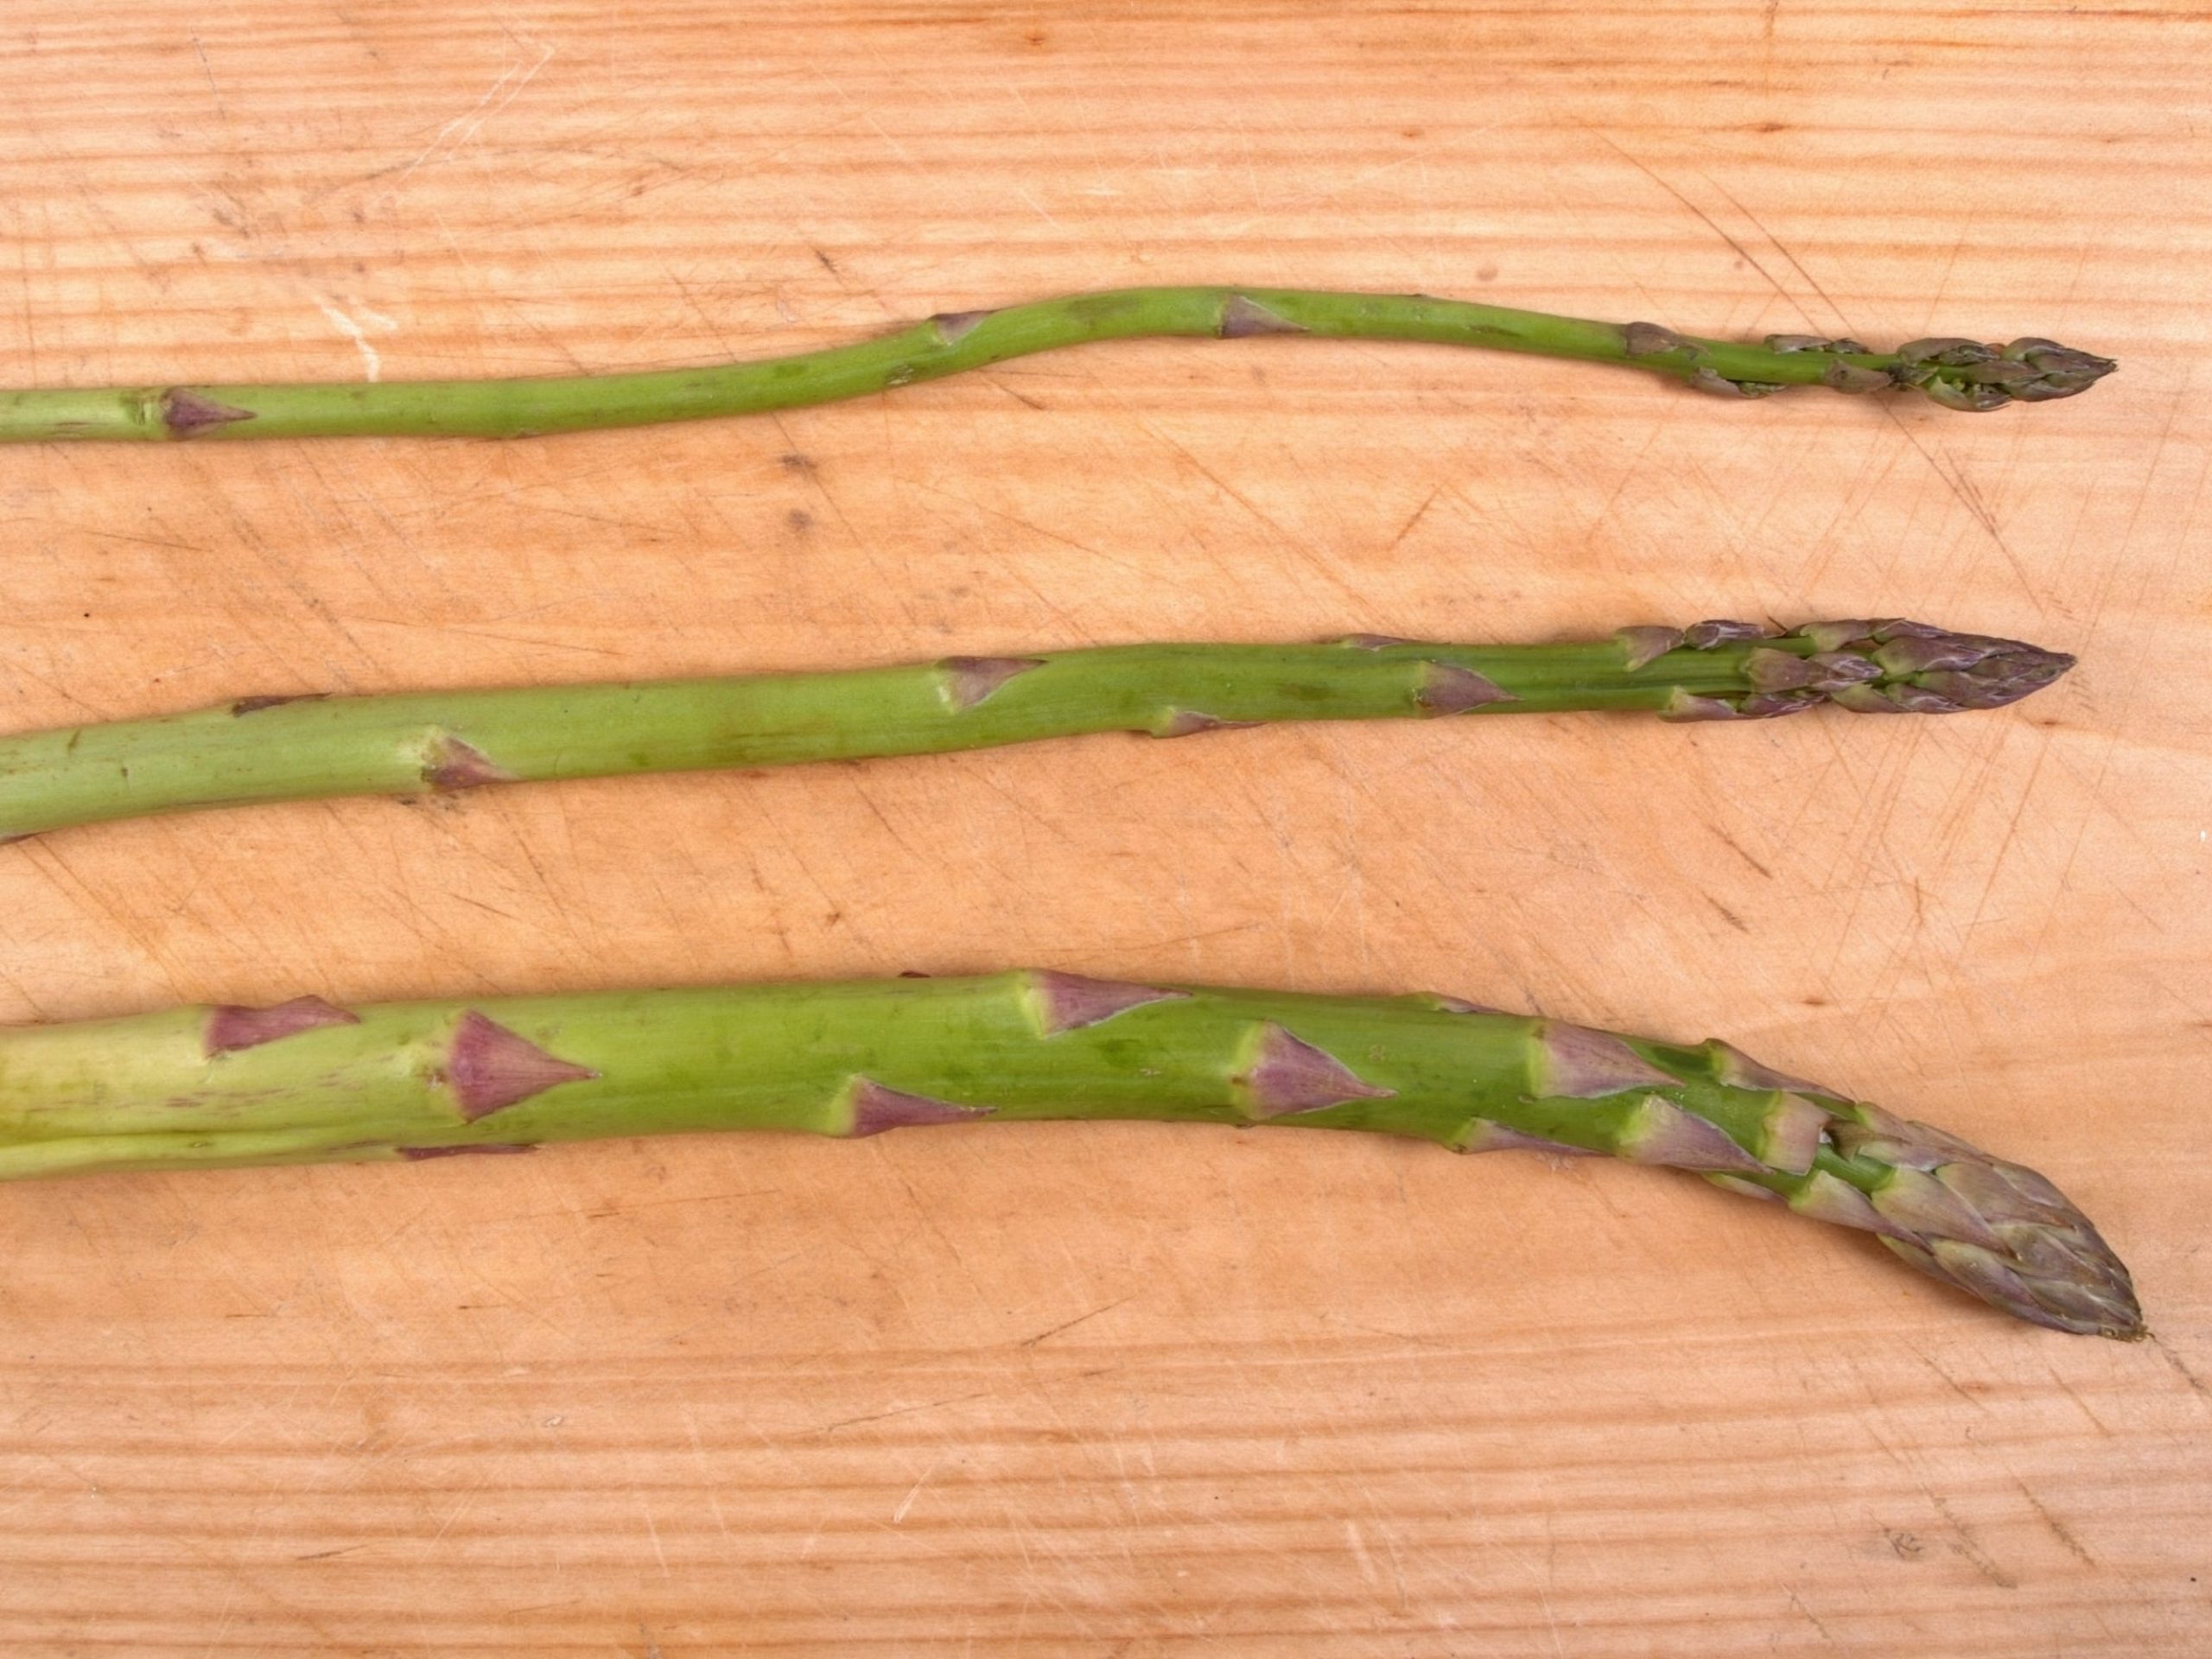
pixel 1113 1390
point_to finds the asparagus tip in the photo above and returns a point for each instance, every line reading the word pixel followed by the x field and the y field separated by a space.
pixel 1994 1229
pixel 1883 667
pixel 1969 375
pixel 1935 671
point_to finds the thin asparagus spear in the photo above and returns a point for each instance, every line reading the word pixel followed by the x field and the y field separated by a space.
pixel 305 1081
pixel 299 748
pixel 1958 373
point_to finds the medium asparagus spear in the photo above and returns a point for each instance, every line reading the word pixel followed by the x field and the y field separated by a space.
pixel 281 749
pixel 1958 373
pixel 306 1081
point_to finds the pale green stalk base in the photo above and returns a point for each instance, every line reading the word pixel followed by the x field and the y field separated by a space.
pixel 265 749
pixel 306 1081
pixel 1961 373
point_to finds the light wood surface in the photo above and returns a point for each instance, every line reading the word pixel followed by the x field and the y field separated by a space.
pixel 1119 1390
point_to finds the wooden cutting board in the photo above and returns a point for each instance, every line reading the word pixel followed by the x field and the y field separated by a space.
pixel 1120 1390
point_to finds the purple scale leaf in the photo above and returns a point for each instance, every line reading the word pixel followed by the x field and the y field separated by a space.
pixel 1242 317
pixel 1447 689
pixel 1070 1001
pixel 877 1109
pixel 1187 722
pixel 1738 1069
pixel 1925 1207
pixel 1646 645
pixel 187 413
pixel 1718 631
pixel 453 764
pixel 1374 641
pixel 1770 669
pixel 953 327
pixel 969 680
pixel 489 1067
pixel 1824 1197
pixel 1289 1075
pixel 1576 1063
pixel 1484 1135
pixel 1663 1133
pixel 231 1027
pixel 1791 1134
pixel 1682 705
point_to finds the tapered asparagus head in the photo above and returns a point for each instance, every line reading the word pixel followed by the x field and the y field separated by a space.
pixel 1884 667
pixel 1997 1232
pixel 1923 669
pixel 1994 1229
pixel 1969 375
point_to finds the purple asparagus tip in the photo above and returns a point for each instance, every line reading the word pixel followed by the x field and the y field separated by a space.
pixel 1889 666
pixel 1970 375
pixel 1992 1229
pixel 1931 670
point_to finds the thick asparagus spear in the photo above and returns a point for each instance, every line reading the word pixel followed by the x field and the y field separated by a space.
pixel 280 748
pixel 1958 373
pixel 306 1081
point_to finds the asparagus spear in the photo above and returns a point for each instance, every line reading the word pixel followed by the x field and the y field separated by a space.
pixel 292 749
pixel 1958 373
pixel 308 1081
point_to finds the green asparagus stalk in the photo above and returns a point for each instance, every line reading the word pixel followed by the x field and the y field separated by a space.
pixel 1957 374
pixel 309 1081
pixel 295 748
